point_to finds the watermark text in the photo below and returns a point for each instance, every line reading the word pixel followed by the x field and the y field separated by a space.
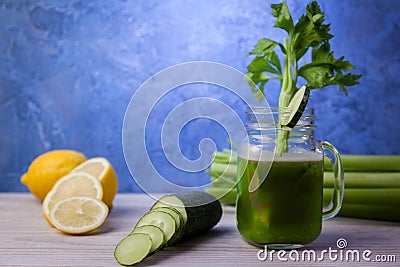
pixel 340 253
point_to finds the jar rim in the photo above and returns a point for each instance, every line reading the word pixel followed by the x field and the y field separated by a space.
pixel 274 110
pixel 267 117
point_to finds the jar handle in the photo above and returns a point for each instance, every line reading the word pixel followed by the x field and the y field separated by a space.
pixel 335 204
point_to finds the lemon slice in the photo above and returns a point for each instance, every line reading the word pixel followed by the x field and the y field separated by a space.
pixel 102 169
pixel 78 215
pixel 71 185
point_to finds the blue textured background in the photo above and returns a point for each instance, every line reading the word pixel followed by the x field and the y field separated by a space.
pixel 68 69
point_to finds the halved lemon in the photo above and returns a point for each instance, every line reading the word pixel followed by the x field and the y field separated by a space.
pixel 102 169
pixel 71 185
pixel 78 215
pixel 46 169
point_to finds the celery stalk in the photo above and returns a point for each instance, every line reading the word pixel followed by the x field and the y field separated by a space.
pixel 226 156
pixel 368 163
pixel 228 195
pixel 223 169
pixel 217 174
pixel 222 182
pixel 377 212
pixel 366 179
pixel 367 196
pixel 223 176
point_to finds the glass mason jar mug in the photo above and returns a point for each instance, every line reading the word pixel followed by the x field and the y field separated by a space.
pixel 280 181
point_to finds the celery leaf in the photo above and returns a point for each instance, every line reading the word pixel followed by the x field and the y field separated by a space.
pixel 326 70
pixel 283 18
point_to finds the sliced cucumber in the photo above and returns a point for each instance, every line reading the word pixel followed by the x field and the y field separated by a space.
pixel 178 221
pixel 133 249
pixel 200 210
pixel 172 218
pixel 296 107
pixel 171 201
pixel 174 213
pixel 155 233
pixel 160 219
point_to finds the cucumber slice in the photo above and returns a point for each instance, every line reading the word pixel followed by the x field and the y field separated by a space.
pixel 174 213
pixel 160 219
pixel 155 233
pixel 178 221
pixel 133 249
pixel 296 107
pixel 174 202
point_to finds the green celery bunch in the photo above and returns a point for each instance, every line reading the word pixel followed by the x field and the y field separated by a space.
pixel 324 69
pixel 309 32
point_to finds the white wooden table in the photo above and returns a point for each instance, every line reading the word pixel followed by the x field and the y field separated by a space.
pixel 27 240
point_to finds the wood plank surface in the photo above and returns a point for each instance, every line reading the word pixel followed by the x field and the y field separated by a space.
pixel 27 240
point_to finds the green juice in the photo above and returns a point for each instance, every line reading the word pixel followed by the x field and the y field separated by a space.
pixel 286 208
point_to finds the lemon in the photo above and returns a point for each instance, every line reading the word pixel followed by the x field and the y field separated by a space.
pixel 47 168
pixel 71 185
pixel 78 215
pixel 102 169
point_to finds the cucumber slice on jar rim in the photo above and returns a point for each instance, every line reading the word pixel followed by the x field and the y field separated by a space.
pixel 296 107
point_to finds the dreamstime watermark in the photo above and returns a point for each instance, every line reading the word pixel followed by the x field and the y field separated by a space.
pixel 340 253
